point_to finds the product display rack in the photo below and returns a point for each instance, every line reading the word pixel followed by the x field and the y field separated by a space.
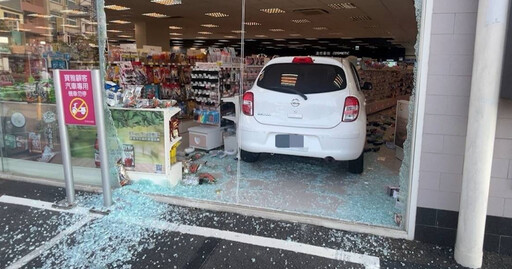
pixel 171 172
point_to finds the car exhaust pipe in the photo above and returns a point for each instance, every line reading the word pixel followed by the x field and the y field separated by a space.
pixel 329 159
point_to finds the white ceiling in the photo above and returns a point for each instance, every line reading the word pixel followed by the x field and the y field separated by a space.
pixel 393 19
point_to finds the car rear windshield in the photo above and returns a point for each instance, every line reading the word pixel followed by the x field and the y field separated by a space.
pixel 305 78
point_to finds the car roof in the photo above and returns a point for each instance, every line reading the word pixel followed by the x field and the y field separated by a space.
pixel 316 60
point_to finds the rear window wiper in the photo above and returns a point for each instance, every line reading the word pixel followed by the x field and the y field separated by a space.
pixel 290 90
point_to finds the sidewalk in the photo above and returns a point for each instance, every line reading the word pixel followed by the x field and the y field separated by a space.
pixel 142 233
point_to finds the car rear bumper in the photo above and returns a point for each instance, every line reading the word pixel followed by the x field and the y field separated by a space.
pixel 344 142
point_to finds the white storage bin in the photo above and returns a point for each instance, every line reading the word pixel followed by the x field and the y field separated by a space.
pixel 205 137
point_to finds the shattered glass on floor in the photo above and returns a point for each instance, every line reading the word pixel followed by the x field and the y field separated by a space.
pixel 301 185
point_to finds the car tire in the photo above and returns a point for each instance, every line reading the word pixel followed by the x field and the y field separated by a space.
pixel 356 166
pixel 249 157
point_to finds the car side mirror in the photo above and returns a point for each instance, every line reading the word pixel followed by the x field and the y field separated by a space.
pixel 367 86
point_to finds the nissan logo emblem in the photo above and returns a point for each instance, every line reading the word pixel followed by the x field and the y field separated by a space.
pixel 295 103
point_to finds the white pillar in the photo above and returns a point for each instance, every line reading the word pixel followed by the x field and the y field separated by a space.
pixel 483 109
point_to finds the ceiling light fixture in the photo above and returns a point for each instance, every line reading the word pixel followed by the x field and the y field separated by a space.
pixel 175 27
pixel 176 38
pixel 260 36
pixel 114 31
pixel 201 37
pixel 237 31
pixel 120 22
pixel 342 6
pixel 175 34
pixel 125 36
pixel 223 40
pixel 279 39
pixel 276 30
pixel 40 16
pixel 205 33
pixel 73 12
pixel 116 7
pixel 230 36
pixel 252 23
pixel 295 35
pixel 361 18
pixel 301 21
pixel 274 10
pixel 216 14
pixel 156 15
pixel 209 25
pixel 44 27
pixel 167 2
pixel 70 26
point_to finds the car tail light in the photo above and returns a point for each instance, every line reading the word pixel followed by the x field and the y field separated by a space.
pixel 248 104
pixel 302 60
pixel 351 110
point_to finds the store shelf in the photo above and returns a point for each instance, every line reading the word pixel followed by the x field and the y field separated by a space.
pixel 174 141
pixel 231 118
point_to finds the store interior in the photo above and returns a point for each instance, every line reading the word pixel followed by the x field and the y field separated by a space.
pixel 176 71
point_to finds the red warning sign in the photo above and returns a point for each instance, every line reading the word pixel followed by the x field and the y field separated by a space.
pixel 77 98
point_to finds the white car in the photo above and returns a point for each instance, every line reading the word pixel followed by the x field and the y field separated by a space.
pixel 305 106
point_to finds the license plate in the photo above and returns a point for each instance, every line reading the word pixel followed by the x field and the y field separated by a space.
pixel 289 141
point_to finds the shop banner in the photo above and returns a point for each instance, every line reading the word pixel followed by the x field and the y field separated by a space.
pixel 77 97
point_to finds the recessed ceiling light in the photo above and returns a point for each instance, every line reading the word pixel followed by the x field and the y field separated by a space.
pixel 252 23
pixel 205 33
pixel 342 6
pixel 199 41
pixel 114 31
pixel 276 30
pixel 116 7
pixel 230 36
pixel 238 31
pixel 44 27
pixel 177 38
pixel 167 2
pixel 301 21
pixel 260 36
pixel 70 26
pixel 40 16
pixel 311 38
pixel 223 40
pixel 250 40
pixel 120 22
pixel 209 25
pixel 73 12
pixel 294 42
pixel 321 28
pixel 201 37
pixel 361 18
pixel 216 14
pixel 274 10
pixel 125 36
pixel 155 15
pixel 175 27
pixel 279 39
pixel 175 34
pixel 296 35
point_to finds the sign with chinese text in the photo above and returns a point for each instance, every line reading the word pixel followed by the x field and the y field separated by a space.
pixel 77 97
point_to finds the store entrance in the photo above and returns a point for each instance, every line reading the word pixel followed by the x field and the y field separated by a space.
pixel 300 107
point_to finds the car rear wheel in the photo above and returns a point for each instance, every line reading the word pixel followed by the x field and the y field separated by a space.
pixel 249 157
pixel 356 166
